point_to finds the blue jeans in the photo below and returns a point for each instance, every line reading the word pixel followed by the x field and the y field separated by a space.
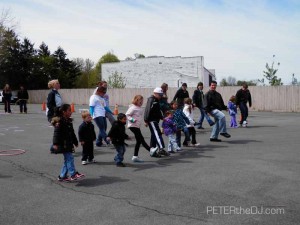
pixel 68 165
pixel 101 124
pixel 120 153
pixel 220 123
pixel 201 118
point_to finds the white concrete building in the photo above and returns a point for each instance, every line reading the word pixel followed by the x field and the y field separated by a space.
pixel 153 71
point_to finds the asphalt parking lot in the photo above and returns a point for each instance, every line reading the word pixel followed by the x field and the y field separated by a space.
pixel 251 178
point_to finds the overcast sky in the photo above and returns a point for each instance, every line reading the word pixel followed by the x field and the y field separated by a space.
pixel 236 37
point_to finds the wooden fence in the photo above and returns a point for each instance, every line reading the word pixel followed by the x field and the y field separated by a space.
pixel 264 98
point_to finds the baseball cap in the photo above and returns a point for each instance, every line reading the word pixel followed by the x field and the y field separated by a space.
pixel 158 90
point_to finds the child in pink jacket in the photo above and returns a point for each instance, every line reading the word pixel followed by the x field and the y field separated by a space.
pixel 135 117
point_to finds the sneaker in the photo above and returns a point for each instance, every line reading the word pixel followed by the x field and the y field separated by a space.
pixel 83 162
pixel 171 152
pixel 120 164
pixel 77 176
pixel 136 159
pixel 153 151
pixel 225 135
pixel 164 152
pixel 211 124
pixel 244 124
pixel 197 144
pixel 63 178
pixel 200 128
pixel 178 150
pixel 92 161
pixel 215 140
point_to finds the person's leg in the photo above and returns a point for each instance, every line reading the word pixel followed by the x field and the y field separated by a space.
pixel 246 112
pixel 90 151
pixel 192 132
pixel 201 118
pixel 25 106
pixel 208 119
pixel 178 137
pixel 110 117
pixel 100 122
pixel 215 129
pixel 187 138
pixel 135 131
pixel 234 121
pixel 21 106
pixel 242 108
pixel 156 133
pixel 85 152
pixel 172 140
pixel 70 163
pixel 64 169
pixel 120 153
pixel 8 106
pixel 5 105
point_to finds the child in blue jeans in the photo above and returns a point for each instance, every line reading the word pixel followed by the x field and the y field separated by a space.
pixel 181 122
pixel 117 136
pixel 64 140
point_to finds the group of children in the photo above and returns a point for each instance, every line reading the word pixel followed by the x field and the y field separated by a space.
pixel 175 121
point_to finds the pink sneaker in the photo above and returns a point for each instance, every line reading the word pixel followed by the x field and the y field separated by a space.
pixel 77 176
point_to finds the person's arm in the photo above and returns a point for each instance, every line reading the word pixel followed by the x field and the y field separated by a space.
pixel 129 114
pixel 92 108
pixel 250 99
pixel 107 109
pixel 176 95
pixel 147 110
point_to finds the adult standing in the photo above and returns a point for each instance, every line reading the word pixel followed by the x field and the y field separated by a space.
pixel 213 104
pixel 7 98
pixel 97 110
pixel 23 98
pixel 180 95
pixel 152 116
pixel 54 100
pixel 164 105
pixel 198 98
pixel 108 114
pixel 242 97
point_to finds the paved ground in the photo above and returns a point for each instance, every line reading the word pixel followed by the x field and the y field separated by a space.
pixel 238 181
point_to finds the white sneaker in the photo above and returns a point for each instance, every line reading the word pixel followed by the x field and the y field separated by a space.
pixel 83 162
pixel 197 144
pixel 136 159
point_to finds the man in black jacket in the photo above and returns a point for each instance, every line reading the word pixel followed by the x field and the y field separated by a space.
pixel 198 98
pixel 180 95
pixel 213 104
pixel 23 98
pixel 152 116
pixel 242 97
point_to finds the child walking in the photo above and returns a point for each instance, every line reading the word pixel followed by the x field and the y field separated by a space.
pixel 118 135
pixel 87 135
pixel 170 131
pixel 232 109
pixel 134 117
pixel 181 122
pixel 64 140
pixel 188 111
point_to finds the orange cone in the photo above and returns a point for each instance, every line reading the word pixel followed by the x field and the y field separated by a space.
pixel 116 110
pixel 43 106
pixel 72 108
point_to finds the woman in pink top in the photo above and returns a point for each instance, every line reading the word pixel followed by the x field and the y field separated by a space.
pixel 135 117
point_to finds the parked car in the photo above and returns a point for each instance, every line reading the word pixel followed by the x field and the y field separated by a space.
pixel 14 97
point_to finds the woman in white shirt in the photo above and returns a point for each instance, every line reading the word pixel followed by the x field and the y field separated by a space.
pixel 97 110
pixel 188 110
